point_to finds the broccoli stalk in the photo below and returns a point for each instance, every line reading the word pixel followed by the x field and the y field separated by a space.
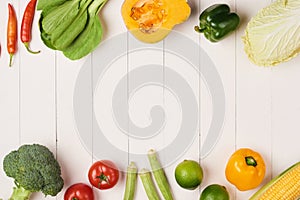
pixel 34 169
pixel 20 193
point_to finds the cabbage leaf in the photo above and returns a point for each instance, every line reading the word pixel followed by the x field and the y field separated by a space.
pixel 273 35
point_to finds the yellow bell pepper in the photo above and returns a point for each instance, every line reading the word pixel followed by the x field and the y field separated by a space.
pixel 245 169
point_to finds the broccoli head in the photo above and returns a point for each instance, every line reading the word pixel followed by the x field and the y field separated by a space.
pixel 34 169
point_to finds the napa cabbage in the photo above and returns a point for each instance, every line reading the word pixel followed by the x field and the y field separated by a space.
pixel 273 35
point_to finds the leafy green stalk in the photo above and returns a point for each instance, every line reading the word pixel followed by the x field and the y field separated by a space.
pixel 46 38
pixel 60 17
pixel 71 26
pixel 45 4
pixel 86 42
pixel 90 37
pixel 73 30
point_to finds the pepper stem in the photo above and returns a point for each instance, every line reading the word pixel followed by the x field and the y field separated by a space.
pixel 250 161
pixel 10 59
pixel 29 50
pixel 197 29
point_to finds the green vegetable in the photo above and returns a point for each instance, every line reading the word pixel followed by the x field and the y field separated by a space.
pixel 131 176
pixel 88 39
pixel 44 4
pixel 148 184
pixel 160 175
pixel 272 36
pixel 71 26
pixel 34 169
pixel 217 21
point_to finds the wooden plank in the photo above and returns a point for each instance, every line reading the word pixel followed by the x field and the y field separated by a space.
pixel 285 115
pixel 222 55
pixel 253 119
pixel 37 93
pixel 72 152
pixel 182 97
pixel 9 101
pixel 80 90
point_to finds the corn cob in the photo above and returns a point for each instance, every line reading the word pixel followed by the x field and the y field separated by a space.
pixel 283 187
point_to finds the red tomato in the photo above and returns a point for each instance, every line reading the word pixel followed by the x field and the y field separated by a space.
pixel 103 174
pixel 79 191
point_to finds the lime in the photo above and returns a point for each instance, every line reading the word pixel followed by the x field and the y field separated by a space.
pixel 189 174
pixel 214 192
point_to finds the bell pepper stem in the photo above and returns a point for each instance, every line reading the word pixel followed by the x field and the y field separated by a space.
pixel 198 29
pixel 250 161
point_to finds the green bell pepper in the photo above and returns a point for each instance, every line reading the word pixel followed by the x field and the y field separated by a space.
pixel 217 21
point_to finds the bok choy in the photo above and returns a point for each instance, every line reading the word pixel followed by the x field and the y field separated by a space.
pixel 273 35
pixel 71 26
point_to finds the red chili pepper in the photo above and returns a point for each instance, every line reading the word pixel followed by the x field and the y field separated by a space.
pixel 11 33
pixel 26 25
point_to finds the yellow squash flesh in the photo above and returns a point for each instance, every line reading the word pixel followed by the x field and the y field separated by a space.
pixel 150 21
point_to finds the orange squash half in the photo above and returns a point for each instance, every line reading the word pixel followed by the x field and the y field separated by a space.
pixel 150 21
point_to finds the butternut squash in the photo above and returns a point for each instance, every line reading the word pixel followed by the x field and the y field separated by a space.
pixel 150 21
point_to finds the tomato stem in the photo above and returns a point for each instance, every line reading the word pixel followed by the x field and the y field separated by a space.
pixel 103 177
pixel 250 161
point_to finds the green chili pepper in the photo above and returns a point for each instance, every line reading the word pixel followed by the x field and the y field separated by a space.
pixel 217 21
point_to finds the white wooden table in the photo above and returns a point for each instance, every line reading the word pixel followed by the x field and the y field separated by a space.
pixel 262 105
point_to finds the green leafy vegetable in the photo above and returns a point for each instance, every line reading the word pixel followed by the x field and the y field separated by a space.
pixel 71 26
pixel 273 35
pixel 33 168
pixel 43 4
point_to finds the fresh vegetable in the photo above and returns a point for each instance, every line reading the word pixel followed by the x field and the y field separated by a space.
pixel 189 174
pixel 26 25
pixel 151 21
pixel 11 33
pixel 131 176
pixel 285 186
pixel 44 4
pixel 214 192
pixel 245 169
pixel 79 191
pixel 72 27
pixel 148 184
pixel 103 174
pixel 272 36
pixel 217 21
pixel 159 175
pixel 34 169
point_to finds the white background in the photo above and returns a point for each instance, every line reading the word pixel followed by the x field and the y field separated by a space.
pixel 262 104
